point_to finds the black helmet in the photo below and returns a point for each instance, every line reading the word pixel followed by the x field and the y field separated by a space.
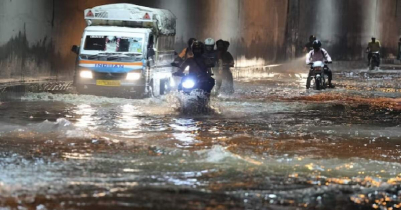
pixel 316 44
pixel 220 45
pixel 197 48
pixel 226 44
pixel 191 41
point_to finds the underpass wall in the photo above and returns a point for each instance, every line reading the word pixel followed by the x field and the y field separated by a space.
pixel 26 47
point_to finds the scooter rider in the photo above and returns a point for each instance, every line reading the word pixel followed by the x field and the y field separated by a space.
pixel 373 47
pixel 185 54
pixel 319 54
pixel 210 54
pixel 225 62
pixel 198 67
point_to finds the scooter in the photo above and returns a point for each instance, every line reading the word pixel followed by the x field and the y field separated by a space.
pixel 317 75
pixel 194 93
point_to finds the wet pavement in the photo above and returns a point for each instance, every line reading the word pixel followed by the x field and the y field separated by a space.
pixel 271 145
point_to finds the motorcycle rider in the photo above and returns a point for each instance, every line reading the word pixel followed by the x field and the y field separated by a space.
pixel 185 54
pixel 319 54
pixel 309 46
pixel 210 54
pixel 197 67
pixel 225 62
pixel 373 46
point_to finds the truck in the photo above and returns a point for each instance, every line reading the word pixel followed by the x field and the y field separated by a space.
pixel 126 51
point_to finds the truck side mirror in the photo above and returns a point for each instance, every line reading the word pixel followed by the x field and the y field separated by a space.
pixel 75 49
pixel 151 52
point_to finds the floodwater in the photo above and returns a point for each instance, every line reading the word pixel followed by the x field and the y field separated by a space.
pixel 271 145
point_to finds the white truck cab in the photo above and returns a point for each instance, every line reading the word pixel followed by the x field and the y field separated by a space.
pixel 126 50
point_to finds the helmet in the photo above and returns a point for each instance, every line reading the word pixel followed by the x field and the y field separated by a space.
pixel 197 48
pixel 226 44
pixel 191 41
pixel 209 44
pixel 220 45
pixel 317 44
pixel 210 41
pixel 312 38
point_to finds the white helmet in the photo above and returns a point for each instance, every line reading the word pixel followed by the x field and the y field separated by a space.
pixel 209 41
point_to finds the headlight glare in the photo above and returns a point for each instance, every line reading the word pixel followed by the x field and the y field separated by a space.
pixel 188 84
pixel 133 76
pixel 86 74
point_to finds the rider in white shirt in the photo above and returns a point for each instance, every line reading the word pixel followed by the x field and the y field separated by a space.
pixel 319 54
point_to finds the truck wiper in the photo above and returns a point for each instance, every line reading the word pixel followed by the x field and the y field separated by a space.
pixel 94 56
pixel 113 58
pixel 91 57
pixel 108 54
pixel 133 54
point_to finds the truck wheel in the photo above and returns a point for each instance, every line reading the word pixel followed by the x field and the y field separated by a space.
pixel 164 86
pixel 149 93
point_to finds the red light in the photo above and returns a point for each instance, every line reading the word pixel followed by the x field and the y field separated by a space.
pixel 147 16
pixel 318 68
pixel 90 14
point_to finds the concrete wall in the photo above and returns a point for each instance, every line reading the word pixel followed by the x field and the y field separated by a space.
pixel 25 38
pixel 36 36
pixel 346 26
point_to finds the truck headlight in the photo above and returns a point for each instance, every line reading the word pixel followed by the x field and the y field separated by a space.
pixel 86 74
pixel 133 76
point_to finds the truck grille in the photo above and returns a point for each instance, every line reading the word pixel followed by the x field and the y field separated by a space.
pixel 109 76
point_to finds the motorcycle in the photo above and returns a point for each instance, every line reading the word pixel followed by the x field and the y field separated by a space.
pixel 374 61
pixel 317 75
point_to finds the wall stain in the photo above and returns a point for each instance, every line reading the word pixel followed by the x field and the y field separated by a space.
pixel 20 59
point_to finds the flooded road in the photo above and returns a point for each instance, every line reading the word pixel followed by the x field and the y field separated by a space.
pixel 271 145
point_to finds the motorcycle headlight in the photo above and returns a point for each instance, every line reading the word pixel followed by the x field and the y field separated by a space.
pixel 133 76
pixel 86 74
pixel 188 84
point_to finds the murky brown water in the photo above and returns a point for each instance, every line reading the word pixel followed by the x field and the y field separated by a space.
pixel 272 145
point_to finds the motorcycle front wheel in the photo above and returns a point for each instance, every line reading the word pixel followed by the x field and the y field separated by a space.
pixel 318 83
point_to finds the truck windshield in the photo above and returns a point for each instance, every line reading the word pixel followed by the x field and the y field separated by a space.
pixel 112 44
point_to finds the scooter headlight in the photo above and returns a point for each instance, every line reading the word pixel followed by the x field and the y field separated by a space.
pixel 86 74
pixel 188 84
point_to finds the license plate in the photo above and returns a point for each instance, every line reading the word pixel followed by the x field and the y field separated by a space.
pixel 110 83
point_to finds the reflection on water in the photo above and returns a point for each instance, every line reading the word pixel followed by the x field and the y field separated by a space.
pixel 272 143
pixel 87 118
